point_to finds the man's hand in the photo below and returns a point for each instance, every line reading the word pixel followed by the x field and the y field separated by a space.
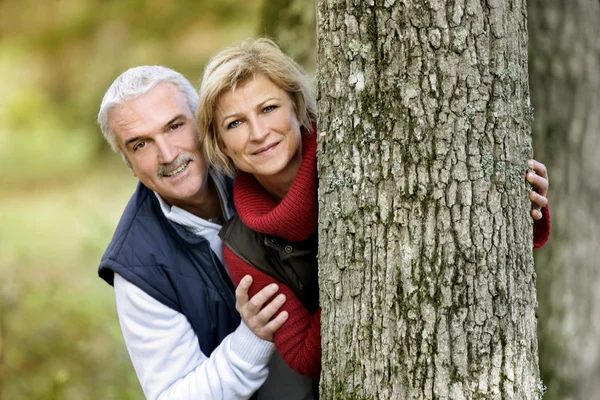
pixel 255 316
pixel 538 177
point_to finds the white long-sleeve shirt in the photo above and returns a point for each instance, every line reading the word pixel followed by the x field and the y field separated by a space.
pixel 166 356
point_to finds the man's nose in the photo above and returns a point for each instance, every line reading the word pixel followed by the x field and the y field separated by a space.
pixel 167 152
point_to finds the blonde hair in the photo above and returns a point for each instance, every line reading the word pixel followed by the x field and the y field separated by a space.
pixel 234 67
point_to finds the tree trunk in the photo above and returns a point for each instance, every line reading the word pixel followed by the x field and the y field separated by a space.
pixel 565 86
pixel 426 268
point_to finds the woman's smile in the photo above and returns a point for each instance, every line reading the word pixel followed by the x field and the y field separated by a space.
pixel 266 149
pixel 260 132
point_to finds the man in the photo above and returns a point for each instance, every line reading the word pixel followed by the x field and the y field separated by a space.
pixel 175 300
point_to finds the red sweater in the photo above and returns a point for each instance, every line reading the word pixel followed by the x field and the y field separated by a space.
pixel 541 229
pixel 295 219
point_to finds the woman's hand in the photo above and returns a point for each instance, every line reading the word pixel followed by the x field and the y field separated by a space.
pixel 538 177
pixel 255 316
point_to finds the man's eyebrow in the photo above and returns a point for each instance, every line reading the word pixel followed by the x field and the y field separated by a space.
pixel 175 118
pixel 165 127
pixel 129 141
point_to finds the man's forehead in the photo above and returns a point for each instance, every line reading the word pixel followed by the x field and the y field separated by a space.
pixel 162 96
pixel 150 111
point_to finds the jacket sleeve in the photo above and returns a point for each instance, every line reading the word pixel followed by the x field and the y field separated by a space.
pixel 299 339
pixel 541 229
pixel 167 357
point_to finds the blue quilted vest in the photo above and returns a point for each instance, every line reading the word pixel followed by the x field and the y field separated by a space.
pixel 174 266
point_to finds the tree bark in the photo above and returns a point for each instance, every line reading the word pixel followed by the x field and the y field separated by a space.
pixel 426 269
pixel 565 86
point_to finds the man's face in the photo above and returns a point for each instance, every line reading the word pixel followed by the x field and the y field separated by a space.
pixel 157 132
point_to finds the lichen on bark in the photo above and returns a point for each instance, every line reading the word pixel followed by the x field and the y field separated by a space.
pixel 426 272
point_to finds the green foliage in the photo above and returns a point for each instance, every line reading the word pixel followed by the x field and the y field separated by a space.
pixel 58 58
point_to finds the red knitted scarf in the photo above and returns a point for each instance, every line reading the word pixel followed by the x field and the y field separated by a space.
pixel 295 218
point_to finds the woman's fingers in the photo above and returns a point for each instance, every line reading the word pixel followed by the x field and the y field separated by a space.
pixel 257 316
pixel 538 201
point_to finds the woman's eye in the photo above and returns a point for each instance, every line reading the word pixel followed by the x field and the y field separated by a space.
pixel 139 146
pixel 234 124
pixel 269 108
pixel 176 126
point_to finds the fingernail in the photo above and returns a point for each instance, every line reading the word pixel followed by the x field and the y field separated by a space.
pixel 274 286
pixel 531 164
pixel 281 298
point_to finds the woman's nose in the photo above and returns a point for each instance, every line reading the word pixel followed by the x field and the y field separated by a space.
pixel 258 130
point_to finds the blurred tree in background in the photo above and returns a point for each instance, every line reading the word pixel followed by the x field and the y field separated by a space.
pixel 564 65
pixel 292 23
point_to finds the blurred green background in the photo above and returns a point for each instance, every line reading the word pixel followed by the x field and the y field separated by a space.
pixel 64 190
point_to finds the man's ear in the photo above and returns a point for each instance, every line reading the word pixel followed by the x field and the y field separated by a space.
pixel 127 162
pixel 131 169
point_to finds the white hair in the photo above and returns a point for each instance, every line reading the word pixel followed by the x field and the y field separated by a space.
pixel 134 83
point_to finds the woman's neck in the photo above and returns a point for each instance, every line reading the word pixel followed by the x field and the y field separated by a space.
pixel 279 185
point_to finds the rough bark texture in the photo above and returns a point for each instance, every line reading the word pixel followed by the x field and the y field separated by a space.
pixel 426 268
pixel 565 87
pixel 291 23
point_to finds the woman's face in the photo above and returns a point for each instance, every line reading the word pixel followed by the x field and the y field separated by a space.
pixel 259 129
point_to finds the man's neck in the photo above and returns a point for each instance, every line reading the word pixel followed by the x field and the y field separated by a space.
pixel 208 203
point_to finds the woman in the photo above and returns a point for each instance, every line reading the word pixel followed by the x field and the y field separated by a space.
pixel 256 116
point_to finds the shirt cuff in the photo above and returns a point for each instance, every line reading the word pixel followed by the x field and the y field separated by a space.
pixel 249 347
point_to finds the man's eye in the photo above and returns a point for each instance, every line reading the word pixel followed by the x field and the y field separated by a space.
pixel 269 109
pixel 176 126
pixel 234 124
pixel 139 146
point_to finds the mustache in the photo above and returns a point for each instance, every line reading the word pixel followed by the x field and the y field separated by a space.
pixel 183 158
